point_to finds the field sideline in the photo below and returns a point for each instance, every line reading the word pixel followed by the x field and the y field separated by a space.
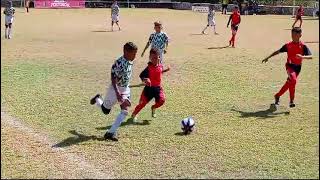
pixel 58 59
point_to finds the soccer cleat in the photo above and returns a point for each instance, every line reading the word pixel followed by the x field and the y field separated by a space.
pixel 110 136
pixel 276 100
pixel 153 113
pixel 9 37
pixel 93 100
pixel 203 32
pixel 292 105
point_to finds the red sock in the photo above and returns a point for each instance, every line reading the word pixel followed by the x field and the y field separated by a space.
pixel 284 88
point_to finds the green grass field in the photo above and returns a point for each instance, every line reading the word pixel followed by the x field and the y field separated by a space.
pixel 58 59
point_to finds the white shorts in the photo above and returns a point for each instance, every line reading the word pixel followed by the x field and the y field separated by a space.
pixel 211 23
pixel 111 98
pixel 8 20
pixel 115 18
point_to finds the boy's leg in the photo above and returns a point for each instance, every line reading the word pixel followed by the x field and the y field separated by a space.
pixel 300 23
pixel 295 21
pixel 160 100
pixel 10 31
pixel 118 25
pixel 287 85
pixel 204 29
pixel 142 103
pixel 110 134
pixel 6 31
pixel 112 25
pixel 292 87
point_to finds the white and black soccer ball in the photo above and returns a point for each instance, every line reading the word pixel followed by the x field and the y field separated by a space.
pixel 187 125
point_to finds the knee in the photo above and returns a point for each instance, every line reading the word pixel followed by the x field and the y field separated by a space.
pixel 105 110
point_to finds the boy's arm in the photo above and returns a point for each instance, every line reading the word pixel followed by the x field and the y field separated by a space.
pixel 281 50
pixel 114 80
pixel 166 70
pixel 166 45
pixel 147 45
pixel 229 20
pixel 306 53
pixel 144 76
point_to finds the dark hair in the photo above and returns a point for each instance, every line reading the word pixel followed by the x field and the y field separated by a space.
pixel 130 46
pixel 154 51
pixel 296 30
pixel 236 7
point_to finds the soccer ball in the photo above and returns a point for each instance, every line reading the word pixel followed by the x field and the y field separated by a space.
pixel 187 125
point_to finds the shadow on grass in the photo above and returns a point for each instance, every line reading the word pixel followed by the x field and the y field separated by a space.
pixel 102 31
pixel 311 42
pixel 221 47
pixel 127 123
pixel 198 34
pixel 263 114
pixel 78 138
pixel 179 134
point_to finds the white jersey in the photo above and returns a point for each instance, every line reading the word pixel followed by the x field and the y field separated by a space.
pixel 115 10
pixel 9 13
pixel 211 18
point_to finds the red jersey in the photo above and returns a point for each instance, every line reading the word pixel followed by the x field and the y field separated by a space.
pixel 154 73
pixel 300 11
pixel 235 18
pixel 292 49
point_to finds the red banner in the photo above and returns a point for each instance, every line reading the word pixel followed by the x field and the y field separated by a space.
pixel 59 4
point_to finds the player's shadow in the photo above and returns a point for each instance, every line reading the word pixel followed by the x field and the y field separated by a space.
pixel 219 47
pixel 97 31
pixel 180 134
pixel 198 34
pixel 262 114
pixel 127 123
pixel 77 139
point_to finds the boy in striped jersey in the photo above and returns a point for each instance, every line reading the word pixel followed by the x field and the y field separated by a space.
pixel 158 40
pixel 211 21
pixel 9 12
pixel 115 14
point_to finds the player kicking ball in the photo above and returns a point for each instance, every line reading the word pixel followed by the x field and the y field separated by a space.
pixel 235 19
pixel 115 10
pixel 9 14
pixel 119 90
pixel 296 52
pixel 151 76
pixel 211 21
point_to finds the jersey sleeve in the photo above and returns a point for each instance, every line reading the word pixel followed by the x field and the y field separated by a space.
pixel 306 51
pixel 144 74
pixel 166 38
pixel 116 70
pixel 150 38
pixel 283 48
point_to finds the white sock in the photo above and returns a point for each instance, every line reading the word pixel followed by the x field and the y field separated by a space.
pixel 99 102
pixel 118 121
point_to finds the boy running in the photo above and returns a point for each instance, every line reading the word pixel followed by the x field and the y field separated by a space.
pixel 115 14
pixel 27 4
pixel 158 40
pixel 299 15
pixel 211 20
pixel 235 22
pixel 296 52
pixel 9 12
pixel 119 89
pixel 151 76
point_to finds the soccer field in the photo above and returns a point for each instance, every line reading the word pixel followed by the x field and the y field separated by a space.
pixel 58 59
